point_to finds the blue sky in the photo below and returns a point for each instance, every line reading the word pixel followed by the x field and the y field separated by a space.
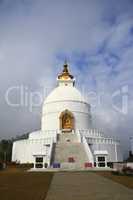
pixel 96 37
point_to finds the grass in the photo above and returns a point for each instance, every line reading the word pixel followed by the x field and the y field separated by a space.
pixel 122 179
pixel 17 184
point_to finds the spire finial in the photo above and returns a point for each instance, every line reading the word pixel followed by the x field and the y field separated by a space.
pixel 65 75
pixel 65 70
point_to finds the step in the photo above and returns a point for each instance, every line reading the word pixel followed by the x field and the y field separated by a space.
pixel 76 150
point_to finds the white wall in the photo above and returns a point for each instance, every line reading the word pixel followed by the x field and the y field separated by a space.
pixel 114 151
pixel 51 113
pixel 24 150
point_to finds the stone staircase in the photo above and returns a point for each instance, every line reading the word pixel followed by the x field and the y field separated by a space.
pixel 68 146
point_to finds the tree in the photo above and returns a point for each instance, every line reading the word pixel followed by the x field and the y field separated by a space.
pixel 6 147
pixel 5 150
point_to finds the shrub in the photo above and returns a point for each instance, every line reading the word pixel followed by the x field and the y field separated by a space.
pixel 127 170
pixel 1 165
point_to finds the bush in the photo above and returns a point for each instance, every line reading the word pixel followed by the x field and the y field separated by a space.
pixel 110 164
pixel 127 170
pixel 19 166
pixel 1 166
pixel 25 165
pixel 116 172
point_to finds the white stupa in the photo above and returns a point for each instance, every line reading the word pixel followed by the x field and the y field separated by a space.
pixel 66 139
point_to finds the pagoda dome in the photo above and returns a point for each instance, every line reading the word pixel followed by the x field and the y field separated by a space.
pixel 64 93
pixel 65 98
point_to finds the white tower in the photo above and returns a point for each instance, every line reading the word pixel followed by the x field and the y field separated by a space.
pixel 65 107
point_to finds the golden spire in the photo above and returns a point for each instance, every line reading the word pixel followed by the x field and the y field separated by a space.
pixel 65 75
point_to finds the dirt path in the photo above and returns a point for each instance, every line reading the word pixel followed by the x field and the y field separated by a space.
pixel 86 186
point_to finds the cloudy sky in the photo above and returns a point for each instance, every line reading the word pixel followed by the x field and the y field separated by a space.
pixel 95 36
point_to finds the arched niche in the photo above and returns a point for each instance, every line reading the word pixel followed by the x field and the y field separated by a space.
pixel 66 120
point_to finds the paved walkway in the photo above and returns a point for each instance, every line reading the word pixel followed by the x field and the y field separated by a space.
pixel 86 186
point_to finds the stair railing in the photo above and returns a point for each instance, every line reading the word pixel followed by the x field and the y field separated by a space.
pixel 88 150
